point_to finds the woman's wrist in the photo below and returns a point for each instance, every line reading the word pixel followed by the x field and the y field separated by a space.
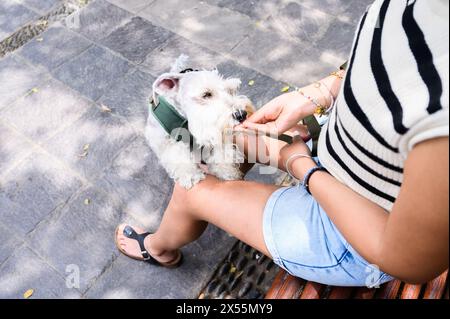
pixel 300 166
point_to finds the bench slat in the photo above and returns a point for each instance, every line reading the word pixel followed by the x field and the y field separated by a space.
pixel 389 290
pixel 341 292
pixel 274 290
pixel 365 293
pixel 436 288
pixel 411 291
pixel 312 290
pixel 285 287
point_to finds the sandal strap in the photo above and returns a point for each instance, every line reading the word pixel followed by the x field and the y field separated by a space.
pixel 129 232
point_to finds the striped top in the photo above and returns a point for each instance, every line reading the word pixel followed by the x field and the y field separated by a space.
pixel 394 96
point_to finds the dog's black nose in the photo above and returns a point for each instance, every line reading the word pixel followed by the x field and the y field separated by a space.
pixel 240 115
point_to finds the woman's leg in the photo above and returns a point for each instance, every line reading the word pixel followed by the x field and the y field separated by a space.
pixel 236 207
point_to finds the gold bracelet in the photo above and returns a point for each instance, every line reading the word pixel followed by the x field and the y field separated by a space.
pixel 336 74
pixel 320 109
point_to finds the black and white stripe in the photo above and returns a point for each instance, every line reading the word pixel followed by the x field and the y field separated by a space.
pixel 397 78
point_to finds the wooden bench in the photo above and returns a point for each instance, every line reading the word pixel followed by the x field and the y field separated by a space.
pixel 286 286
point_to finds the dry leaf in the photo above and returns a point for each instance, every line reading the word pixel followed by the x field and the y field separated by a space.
pixel 251 82
pixel 87 201
pixel 86 147
pixel 285 89
pixel 42 23
pixel 105 108
pixel 233 269
pixel 34 90
pixel 40 39
pixel 27 294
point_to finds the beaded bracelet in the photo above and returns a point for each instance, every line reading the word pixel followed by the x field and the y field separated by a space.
pixel 320 109
pixel 318 85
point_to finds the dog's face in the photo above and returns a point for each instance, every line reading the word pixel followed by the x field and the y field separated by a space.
pixel 206 99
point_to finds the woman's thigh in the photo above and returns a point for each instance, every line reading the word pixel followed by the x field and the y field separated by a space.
pixel 237 207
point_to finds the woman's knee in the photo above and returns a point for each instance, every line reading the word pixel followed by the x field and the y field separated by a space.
pixel 190 198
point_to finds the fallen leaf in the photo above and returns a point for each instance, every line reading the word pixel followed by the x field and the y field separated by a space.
pixel 232 269
pixel 87 201
pixel 86 147
pixel 251 82
pixel 40 39
pixel 285 89
pixel 34 90
pixel 105 108
pixel 27 294
pixel 258 24
pixel 42 23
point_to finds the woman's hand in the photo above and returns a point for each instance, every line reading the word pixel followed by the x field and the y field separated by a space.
pixel 279 115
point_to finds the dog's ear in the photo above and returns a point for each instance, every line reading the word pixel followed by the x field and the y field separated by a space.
pixel 180 64
pixel 232 85
pixel 167 84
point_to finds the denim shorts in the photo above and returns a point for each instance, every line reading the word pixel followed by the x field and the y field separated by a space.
pixel 302 240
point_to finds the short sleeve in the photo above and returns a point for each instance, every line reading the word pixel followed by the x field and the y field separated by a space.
pixel 432 126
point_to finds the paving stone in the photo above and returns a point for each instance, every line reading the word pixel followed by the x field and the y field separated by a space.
pixel 13 148
pixel 9 242
pixel 299 23
pixel 93 72
pixel 129 98
pixel 136 39
pixel 13 16
pixel 97 20
pixel 17 78
pixel 33 190
pixel 133 6
pixel 284 60
pixel 264 88
pixel 336 43
pixel 348 11
pixel 139 183
pixel 257 9
pixel 85 231
pixel 41 114
pixel 200 22
pixel 57 46
pixel 25 270
pixel 161 59
pixel 128 279
pixel 90 144
pixel 42 6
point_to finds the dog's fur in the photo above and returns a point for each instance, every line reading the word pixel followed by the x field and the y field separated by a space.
pixel 208 102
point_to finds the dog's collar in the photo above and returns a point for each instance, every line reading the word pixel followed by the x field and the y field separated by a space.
pixel 171 120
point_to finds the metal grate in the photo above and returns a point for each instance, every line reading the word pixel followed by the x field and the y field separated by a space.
pixel 244 274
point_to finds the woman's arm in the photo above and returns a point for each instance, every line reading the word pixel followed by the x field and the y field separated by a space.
pixel 285 111
pixel 412 242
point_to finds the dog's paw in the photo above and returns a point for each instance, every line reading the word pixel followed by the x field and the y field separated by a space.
pixel 188 182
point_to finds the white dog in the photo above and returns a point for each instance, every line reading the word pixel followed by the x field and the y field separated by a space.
pixel 208 106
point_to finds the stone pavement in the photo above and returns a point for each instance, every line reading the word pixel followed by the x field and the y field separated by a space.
pixel 71 171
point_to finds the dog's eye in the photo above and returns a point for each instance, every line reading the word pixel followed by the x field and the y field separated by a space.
pixel 207 95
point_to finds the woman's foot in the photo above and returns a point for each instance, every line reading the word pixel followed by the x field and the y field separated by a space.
pixel 131 248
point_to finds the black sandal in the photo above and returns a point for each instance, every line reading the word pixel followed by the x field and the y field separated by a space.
pixel 129 232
